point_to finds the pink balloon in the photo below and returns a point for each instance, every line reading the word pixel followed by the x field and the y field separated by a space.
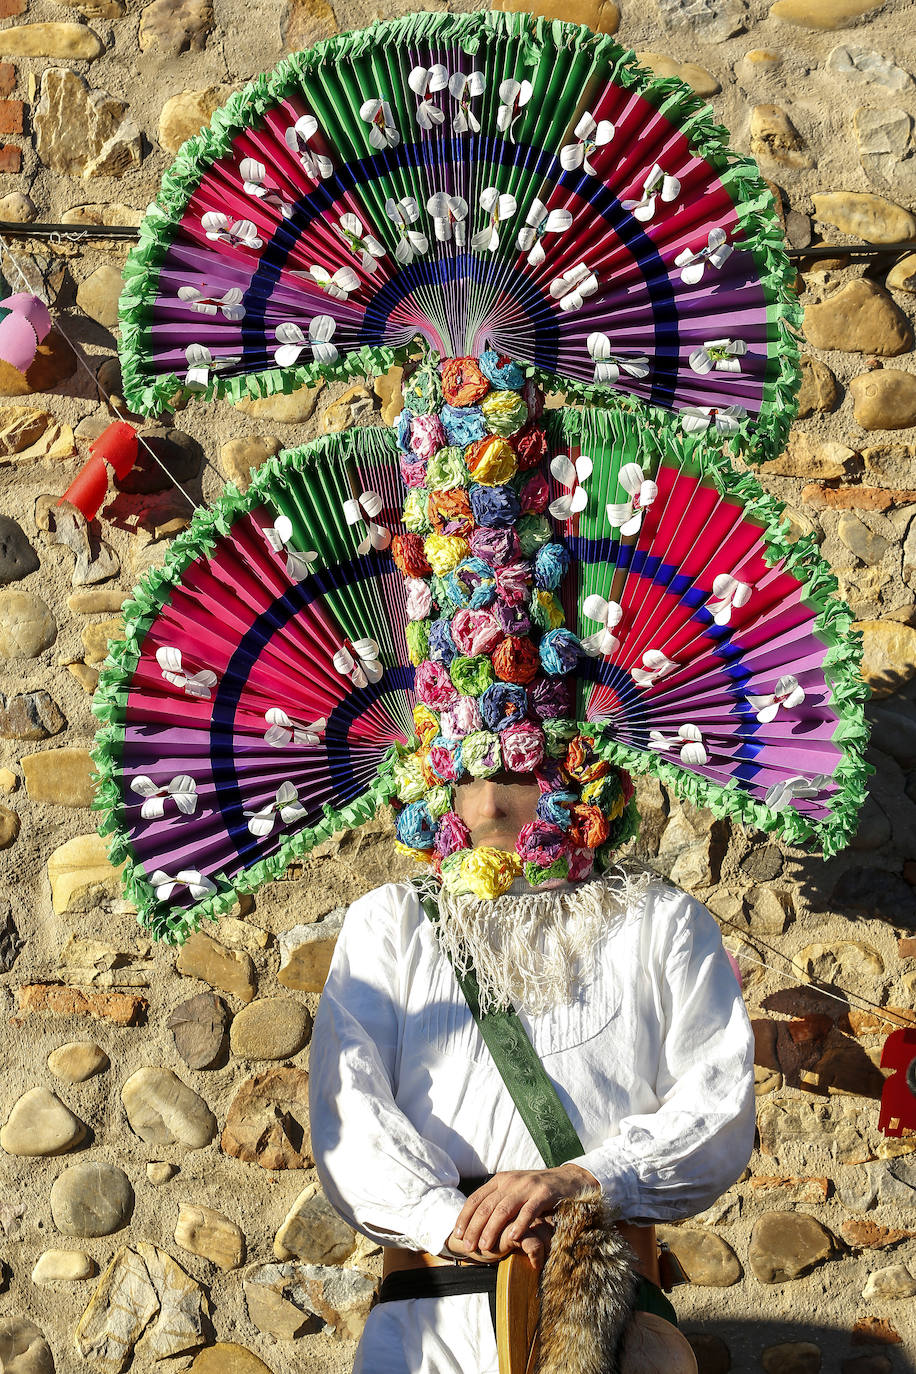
pixel 18 341
pixel 34 310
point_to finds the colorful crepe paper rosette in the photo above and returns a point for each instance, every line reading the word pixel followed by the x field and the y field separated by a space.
pixel 494 660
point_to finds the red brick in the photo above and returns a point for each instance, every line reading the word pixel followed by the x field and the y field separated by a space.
pixel 120 1008
pixel 10 7
pixel 906 947
pixel 7 78
pixel 10 116
pixel 10 158
pixel 873 1023
pixel 874 1330
pixel 805 1189
pixel 765 1043
pixel 855 498
pixel 861 1233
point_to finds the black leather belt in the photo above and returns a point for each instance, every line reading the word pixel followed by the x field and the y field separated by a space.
pixel 444 1282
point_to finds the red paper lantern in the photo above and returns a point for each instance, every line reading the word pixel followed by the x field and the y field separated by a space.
pixel 117 447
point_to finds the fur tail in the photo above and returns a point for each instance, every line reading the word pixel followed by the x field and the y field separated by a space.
pixel 588 1285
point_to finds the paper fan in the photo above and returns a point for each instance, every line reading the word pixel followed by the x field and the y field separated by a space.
pixel 263 683
pixel 718 657
pixel 477 181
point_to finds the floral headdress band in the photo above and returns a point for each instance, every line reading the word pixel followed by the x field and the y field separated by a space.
pixel 494 662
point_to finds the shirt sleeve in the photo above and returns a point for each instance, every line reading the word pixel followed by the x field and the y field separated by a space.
pixel 376 1169
pixel 675 1161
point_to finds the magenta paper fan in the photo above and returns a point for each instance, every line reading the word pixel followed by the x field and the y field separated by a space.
pixel 474 181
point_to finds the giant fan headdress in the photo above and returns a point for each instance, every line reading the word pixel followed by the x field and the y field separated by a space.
pixel 520 201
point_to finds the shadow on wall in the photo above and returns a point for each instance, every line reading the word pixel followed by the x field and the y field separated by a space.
pixel 873 878
pixel 776 1347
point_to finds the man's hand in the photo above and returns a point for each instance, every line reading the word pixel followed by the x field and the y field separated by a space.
pixel 535 1243
pixel 499 1215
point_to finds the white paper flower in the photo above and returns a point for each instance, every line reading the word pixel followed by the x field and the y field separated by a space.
pixel 366 508
pixel 573 286
pixel 293 342
pixel 786 695
pixel 464 89
pixel 403 213
pixel 608 614
pixel 658 185
pixel 718 355
pixel 449 215
pixel 655 665
pixel 592 135
pixel 571 475
pixel 362 245
pixel 278 536
pixel 627 516
pixel 229 304
pixel 240 233
pixel 728 594
pixel 608 366
pixel 796 788
pixel 283 730
pixel 193 683
pixel 165 884
pixel 538 222
pixel 359 661
pixel 426 82
pixel 286 805
pixel 688 742
pixel 182 790
pixel 693 264
pixel 340 285
pixel 255 182
pixel 377 114
pixel 514 96
pixel 200 364
pixel 497 206
pixel 297 137
pixel 724 419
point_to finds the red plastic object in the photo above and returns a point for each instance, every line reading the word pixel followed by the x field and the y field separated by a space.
pixel 116 446
pixel 898 1100
pixel 89 488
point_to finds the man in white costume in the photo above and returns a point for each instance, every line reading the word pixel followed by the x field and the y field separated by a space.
pixel 631 1003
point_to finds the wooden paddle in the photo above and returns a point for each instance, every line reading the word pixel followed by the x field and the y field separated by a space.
pixel 516 1314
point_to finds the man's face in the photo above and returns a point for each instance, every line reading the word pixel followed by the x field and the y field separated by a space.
pixel 495 809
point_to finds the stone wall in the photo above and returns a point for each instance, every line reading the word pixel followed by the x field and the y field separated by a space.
pixel 154 1113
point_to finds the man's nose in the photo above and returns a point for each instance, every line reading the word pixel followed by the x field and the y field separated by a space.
pixel 489 799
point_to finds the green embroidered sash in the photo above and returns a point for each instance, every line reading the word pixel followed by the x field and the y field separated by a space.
pixel 522 1071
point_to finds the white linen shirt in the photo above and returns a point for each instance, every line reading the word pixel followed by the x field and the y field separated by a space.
pixel 653 1063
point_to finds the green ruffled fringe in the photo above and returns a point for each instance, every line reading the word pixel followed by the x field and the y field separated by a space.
pixel 832 624
pixel 109 703
pixel 760 232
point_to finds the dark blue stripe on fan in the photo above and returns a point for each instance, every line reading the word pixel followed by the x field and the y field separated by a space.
pixel 232 684
pixel 323 197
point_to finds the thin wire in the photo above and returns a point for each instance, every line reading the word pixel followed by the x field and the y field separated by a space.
pixel 16 229
pixel 850 998
pixel 844 1000
pixel 81 359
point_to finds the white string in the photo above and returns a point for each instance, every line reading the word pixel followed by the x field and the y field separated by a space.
pixel 81 359
pixel 846 999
